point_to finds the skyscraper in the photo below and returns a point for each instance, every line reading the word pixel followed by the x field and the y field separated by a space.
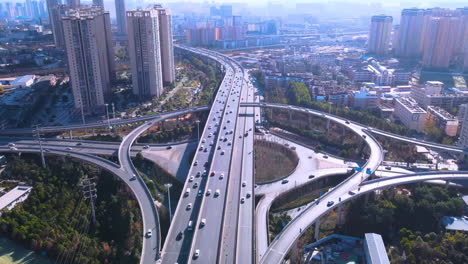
pixel 439 42
pixel 167 48
pixel 73 3
pixel 120 15
pixel 379 35
pixel 90 57
pixel 409 33
pixel 145 52
pixel 55 12
pixel 99 3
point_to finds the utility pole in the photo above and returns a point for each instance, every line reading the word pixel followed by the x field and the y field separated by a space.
pixel 90 193
pixel 38 137
pixel 107 114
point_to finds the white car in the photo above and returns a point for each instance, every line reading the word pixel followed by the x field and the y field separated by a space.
pixel 146 147
pixel 208 192
pixel 189 206
pixel 196 254
pixel 191 179
pixel 149 233
pixel 216 194
pixel 244 184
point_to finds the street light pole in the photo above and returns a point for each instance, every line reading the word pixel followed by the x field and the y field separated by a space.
pixel 168 186
pixel 107 114
pixel 198 130
pixel 113 110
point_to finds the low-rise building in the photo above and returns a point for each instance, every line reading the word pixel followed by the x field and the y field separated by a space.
pixel 410 113
pixel 443 119
pixel 374 249
pixel 365 99
pixel 14 196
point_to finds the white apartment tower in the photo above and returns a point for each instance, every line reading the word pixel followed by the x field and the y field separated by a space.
pixel 90 55
pixel 167 48
pixel 150 50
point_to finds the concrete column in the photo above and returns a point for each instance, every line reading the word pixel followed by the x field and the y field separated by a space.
pixel 271 113
pixel 310 119
pixel 70 134
pixel 340 215
pixel 94 132
pixel 290 115
pixel 366 198
pixel 317 230
pixel 446 184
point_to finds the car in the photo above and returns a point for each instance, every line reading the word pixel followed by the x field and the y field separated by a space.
pixel 198 174
pixel 222 152
pixel 79 144
pixel 195 185
pixel 325 156
pixel 208 192
pixel 200 193
pixel 190 225
pixel 205 150
pixel 206 164
pixel 330 203
pixel 11 144
pixel 364 136
pixel 248 195
pixel 284 181
pixel 187 192
pixel 256 185
pixel 229 143
pixel 191 179
pixel 203 141
pixel 311 176
pixel 242 200
pixel 169 147
pixel 212 174
pixel 201 148
pixel 195 163
pixel 133 177
pixel 146 147
pixel 219 147
pixel 347 122
pixel 244 184
pixel 216 194
pixel 179 236
pixel 221 176
pixel 13 148
pixel 189 206
pixel 317 201
pixel 69 148
pixel 388 168
pixel 149 233
pixel 196 254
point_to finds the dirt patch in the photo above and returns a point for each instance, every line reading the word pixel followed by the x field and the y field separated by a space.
pixel 273 161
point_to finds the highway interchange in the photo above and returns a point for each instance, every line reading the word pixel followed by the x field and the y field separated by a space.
pixel 214 219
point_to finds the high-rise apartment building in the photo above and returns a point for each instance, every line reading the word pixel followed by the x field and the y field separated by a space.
pixel 99 3
pixel 56 11
pixel 379 35
pixel 145 53
pixel 73 3
pixel 463 117
pixel 120 15
pixel 87 33
pixel 409 33
pixel 439 41
pixel 167 48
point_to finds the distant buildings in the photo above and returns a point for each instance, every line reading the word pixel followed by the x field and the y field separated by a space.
pixel 151 51
pixel 120 15
pixel 410 113
pixel 463 117
pixel 379 35
pixel 439 42
pixel 56 11
pixel 410 33
pixel 90 55
pixel 431 94
pixel 365 99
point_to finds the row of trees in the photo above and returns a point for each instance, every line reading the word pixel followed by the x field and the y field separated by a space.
pixel 56 218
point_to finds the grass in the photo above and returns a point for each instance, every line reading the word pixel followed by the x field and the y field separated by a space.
pixel 11 253
pixel 302 200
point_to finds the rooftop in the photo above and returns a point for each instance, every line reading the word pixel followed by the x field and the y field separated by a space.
pixel 411 105
pixel 455 223
pixel 440 112
pixel 13 195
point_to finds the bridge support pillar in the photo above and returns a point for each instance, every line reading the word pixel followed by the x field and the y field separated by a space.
pixel 310 119
pixel 340 215
pixel 317 230
pixel 290 115
pixel 446 184
pixel 70 134
pixel 94 132
pixel 271 113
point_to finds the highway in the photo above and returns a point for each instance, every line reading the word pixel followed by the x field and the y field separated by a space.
pixel 186 220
